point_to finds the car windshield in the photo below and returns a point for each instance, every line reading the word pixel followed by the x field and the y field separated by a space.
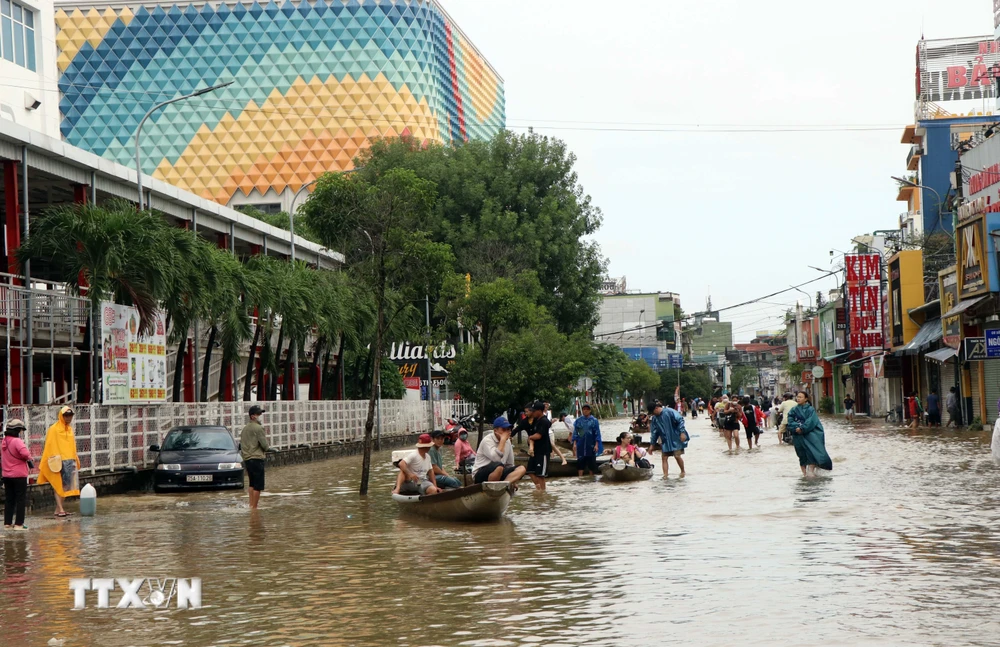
pixel 181 439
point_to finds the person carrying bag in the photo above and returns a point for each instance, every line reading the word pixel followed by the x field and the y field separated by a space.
pixel 15 461
pixel 60 464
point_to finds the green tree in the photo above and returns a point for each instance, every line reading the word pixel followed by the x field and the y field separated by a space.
pixel 694 380
pixel 606 366
pixel 377 220
pixel 122 255
pixel 640 379
pixel 493 308
pixel 510 205
pixel 744 377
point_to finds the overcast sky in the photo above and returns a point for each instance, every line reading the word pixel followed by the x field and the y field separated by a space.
pixel 744 214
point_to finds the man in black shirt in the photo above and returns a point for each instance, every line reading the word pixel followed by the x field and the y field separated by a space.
pixel 540 446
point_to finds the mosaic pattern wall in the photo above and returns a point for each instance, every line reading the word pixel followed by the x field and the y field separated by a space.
pixel 313 83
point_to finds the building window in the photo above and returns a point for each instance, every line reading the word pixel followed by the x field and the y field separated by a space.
pixel 17 34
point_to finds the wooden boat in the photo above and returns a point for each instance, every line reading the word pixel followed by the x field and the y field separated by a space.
pixel 481 502
pixel 619 474
pixel 556 468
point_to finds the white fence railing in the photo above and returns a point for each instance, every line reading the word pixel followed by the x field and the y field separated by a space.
pixel 110 438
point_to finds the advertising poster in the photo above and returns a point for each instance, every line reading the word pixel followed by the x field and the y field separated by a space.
pixel 864 301
pixel 973 274
pixel 147 361
pixel 114 353
pixel 134 368
pixel 952 326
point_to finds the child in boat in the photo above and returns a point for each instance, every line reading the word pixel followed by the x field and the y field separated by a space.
pixel 625 451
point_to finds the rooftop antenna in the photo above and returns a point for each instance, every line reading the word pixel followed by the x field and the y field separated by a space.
pixel 708 300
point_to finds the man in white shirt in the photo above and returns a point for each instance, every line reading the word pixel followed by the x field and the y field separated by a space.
pixel 495 456
pixel 416 471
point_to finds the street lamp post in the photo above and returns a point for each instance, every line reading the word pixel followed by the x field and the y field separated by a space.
pixel 138 130
pixel 938 195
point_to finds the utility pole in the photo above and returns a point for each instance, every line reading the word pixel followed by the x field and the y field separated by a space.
pixel 427 353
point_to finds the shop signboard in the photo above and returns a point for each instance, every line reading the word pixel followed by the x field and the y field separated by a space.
pixel 411 361
pixel 841 319
pixel 948 289
pixel 975 349
pixel 807 353
pixel 973 270
pixel 956 69
pixel 864 301
pixel 807 377
pixel 993 343
pixel 895 303
pixel 134 366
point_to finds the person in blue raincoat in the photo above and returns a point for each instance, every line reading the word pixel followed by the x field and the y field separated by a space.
pixel 667 426
pixel 808 436
pixel 587 443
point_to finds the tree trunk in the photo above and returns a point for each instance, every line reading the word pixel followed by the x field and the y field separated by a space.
pixel 253 355
pixel 366 463
pixel 340 367
pixel 326 371
pixel 222 380
pixel 290 377
pixel 273 395
pixel 179 368
pixel 208 363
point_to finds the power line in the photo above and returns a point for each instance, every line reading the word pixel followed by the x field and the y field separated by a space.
pixel 833 129
pixel 738 305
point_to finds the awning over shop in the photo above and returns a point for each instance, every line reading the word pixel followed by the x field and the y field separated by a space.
pixel 929 333
pixel 837 356
pixel 962 306
pixel 942 355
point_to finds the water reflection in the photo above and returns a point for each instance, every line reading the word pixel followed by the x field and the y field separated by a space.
pixel 897 545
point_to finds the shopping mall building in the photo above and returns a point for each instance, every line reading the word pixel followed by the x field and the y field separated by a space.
pixel 313 83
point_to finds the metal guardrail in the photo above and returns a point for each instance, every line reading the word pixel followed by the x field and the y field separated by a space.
pixel 115 438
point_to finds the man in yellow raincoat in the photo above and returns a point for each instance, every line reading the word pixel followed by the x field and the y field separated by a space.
pixel 60 451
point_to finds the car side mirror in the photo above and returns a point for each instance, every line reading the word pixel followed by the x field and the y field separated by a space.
pixel 154 448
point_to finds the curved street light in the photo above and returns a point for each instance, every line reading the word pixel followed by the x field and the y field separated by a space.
pixel 138 130
pixel 940 204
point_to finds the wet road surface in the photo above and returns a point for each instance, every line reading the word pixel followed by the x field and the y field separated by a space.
pixel 899 545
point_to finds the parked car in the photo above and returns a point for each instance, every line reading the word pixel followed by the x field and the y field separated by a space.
pixel 197 458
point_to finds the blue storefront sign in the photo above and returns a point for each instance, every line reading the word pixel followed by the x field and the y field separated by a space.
pixel 993 343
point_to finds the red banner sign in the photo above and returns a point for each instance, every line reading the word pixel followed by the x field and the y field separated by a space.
pixel 864 301
pixel 807 353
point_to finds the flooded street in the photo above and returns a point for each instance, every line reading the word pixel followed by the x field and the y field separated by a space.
pixel 900 546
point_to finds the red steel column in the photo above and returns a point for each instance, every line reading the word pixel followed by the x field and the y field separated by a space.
pixel 12 209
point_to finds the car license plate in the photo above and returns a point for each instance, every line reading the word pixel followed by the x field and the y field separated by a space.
pixel 198 478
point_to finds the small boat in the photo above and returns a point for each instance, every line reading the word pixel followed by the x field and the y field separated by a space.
pixel 480 502
pixel 556 468
pixel 621 473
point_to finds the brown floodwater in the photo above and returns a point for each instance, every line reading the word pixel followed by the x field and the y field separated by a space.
pixel 900 545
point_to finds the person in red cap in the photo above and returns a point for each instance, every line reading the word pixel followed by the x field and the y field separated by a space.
pixel 416 471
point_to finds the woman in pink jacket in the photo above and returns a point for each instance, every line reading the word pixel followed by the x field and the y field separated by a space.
pixel 15 461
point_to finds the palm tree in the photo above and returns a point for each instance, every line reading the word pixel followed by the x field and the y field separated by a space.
pixel 187 301
pixel 267 271
pixel 111 252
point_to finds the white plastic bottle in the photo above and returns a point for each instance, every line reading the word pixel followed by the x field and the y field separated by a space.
pixel 88 501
